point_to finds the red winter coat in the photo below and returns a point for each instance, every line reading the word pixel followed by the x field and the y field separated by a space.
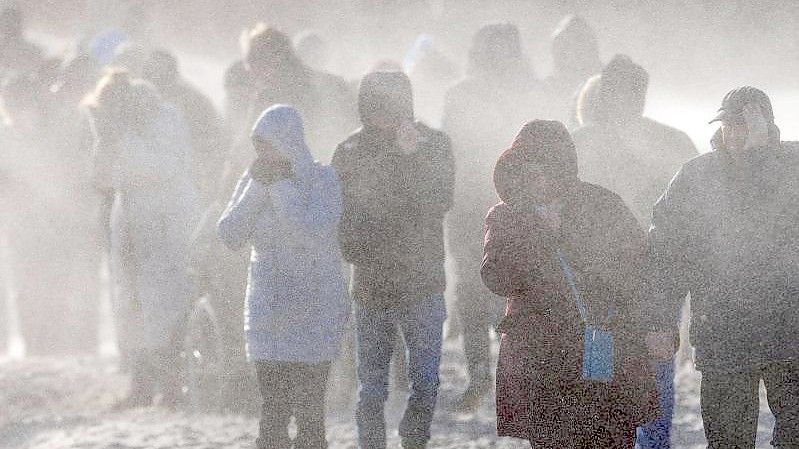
pixel 540 394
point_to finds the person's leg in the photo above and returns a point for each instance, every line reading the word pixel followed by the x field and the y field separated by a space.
pixel 657 434
pixel 142 380
pixel 376 331
pixel 310 385
pixel 422 324
pixel 476 308
pixel 782 389
pixel 276 409
pixel 729 404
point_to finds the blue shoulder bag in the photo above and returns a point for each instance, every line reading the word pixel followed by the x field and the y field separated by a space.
pixel 597 343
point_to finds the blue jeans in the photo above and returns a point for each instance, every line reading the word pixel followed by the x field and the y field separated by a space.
pixel 421 323
pixel 657 434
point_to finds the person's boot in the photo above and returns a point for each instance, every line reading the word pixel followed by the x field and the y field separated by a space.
pixel 480 381
pixel 142 384
pixel 170 379
pixel 406 444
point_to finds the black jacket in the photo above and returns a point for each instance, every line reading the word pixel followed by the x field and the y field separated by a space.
pixel 394 206
pixel 728 232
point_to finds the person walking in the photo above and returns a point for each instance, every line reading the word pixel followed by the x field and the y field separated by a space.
pixel 286 207
pixel 568 256
pixel 397 180
pixel 727 231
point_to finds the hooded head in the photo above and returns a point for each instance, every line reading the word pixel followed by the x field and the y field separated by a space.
pixel 619 93
pixel 540 165
pixel 575 52
pixel 77 75
pixel 385 98
pixel 282 127
pixel 312 49
pixel 161 69
pixel 269 50
pixel 496 50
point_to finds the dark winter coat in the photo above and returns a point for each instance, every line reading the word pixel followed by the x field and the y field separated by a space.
pixel 394 207
pixel 394 204
pixel 727 231
pixel 540 393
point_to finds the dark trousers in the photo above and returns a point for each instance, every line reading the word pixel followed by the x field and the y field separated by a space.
pixel 478 309
pixel 730 405
pixel 292 389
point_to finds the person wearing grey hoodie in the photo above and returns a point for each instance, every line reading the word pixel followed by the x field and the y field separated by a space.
pixel 286 207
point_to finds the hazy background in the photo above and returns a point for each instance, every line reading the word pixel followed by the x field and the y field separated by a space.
pixel 695 51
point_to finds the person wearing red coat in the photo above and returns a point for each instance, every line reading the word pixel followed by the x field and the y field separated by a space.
pixel 552 239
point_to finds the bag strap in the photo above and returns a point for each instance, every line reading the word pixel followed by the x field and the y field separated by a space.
pixel 568 273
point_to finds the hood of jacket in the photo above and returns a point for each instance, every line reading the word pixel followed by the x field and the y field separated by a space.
pixel 541 144
pixel 496 54
pixel 575 52
pixel 386 92
pixel 282 126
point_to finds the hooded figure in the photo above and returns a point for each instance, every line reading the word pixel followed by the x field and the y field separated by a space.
pixel 635 157
pixel 296 307
pixel 575 58
pixel 286 207
pixel 548 220
pixel 618 147
pixel 481 113
pixel 397 181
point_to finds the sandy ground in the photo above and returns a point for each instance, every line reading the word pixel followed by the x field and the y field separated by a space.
pixel 66 403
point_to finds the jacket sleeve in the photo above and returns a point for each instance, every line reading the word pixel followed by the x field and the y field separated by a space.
pixel 354 232
pixel 508 265
pixel 237 223
pixel 317 216
pixel 430 178
pixel 670 248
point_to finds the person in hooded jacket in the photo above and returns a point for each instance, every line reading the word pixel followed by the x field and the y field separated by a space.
pixel 727 231
pixel 575 58
pixel 142 155
pixel 566 254
pixel 286 207
pixel 634 156
pixel 397 180
pixel 481 112
pixel 209 138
